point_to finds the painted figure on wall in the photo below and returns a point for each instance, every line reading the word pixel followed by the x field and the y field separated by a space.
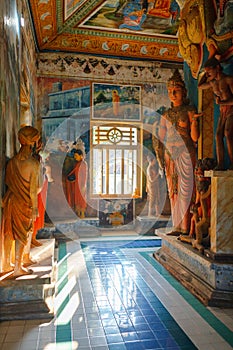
pixel 43 157
pixel 222 86
pixel 161 8
pixel 152 186
pixel 76 184
pixel 134 20
pixel 115 102
pixel 176 152
pixel 20 207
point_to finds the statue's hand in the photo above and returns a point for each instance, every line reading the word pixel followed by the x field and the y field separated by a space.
pixel 203 78
pixel 34 213
pixel 197 116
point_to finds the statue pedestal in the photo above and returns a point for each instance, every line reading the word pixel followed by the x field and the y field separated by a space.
pixel 208 276
pixel 148 224
pixel 210 281
pixel 30 296
pixel 221 228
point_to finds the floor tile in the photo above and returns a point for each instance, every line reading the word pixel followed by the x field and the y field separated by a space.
pixel 120 298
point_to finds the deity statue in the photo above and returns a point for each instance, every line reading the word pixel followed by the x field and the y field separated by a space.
pixel 199 232
pixel 176 152
pixel 222 86
pixel 20 207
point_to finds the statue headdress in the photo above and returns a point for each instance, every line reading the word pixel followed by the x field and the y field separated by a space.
pixel 28 135
pixel 176 80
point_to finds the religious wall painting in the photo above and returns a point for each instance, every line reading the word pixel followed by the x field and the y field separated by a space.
pixel 116 212
pixel 148 17
pixel 155 101
pixel 65 109
pixel 116 102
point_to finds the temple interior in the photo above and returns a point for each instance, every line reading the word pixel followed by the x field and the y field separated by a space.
pixel 116 173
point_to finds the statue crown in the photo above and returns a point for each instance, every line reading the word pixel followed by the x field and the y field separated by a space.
pixel 176 80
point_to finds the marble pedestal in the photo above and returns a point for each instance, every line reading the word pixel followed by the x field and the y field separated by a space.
pixel 148 224
pixel 31 296
pixel 210 281
pixel 210 276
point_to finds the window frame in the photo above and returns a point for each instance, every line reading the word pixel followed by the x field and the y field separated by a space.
pixel 118 146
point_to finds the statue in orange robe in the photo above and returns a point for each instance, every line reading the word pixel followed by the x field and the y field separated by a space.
pixel 20 207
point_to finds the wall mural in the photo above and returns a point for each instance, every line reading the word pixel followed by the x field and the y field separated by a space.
pixel 122 102
pixel 116 212
pixel 66 109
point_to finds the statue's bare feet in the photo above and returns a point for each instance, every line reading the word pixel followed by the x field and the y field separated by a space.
pixel 27 261
pixel 35 243
pixel 174 233
pixel 22 271
pixel 7 268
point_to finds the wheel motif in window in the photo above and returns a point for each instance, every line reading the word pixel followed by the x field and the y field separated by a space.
pixel 114 135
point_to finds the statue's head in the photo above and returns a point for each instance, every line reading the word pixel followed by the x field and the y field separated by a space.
pixel 28 135
pixel 202 165
pixel 176 81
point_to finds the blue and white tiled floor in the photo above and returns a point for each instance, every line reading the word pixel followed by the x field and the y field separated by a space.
pixel 112 294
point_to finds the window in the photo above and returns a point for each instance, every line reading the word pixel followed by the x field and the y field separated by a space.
pixel 116 161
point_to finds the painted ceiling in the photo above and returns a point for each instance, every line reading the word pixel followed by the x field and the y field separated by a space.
pixel 119 28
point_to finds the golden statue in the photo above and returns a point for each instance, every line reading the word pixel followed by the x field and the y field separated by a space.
pixel 20 201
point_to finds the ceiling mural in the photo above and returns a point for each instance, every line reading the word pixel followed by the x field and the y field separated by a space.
pixel 151 19
pixel 70 6
pixel 121 28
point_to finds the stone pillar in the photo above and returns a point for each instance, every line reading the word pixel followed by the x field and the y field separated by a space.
pixel 221 229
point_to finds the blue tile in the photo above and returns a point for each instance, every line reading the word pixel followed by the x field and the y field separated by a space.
pixel 114 338
pixel 152 345
pixel 128 308
pixel 161 334
pixel 119 346
pixel 109 322
pixel 148 312
pixel 124 329
pixel 152 318
pixel 137 320
pixel 134 345
pixel 142 327
pixel 111 330
pixel 146 335
pixel 168 343
pixel 129 336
